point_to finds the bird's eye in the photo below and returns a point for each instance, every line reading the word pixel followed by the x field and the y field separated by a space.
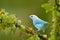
pixel 31 16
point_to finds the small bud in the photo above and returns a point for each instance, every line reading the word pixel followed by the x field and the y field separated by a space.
pixel 2 11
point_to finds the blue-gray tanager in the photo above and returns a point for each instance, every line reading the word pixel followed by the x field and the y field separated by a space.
pixel 38 23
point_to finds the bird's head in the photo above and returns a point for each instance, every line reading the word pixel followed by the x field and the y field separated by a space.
pixel 33 17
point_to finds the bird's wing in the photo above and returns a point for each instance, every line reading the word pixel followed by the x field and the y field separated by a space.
pixel 43 21
pixel 38 24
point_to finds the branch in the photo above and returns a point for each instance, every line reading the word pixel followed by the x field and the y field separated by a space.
pixel 56 2
pixel 31 31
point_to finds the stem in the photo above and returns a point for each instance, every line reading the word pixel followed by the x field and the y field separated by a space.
pixel 54 24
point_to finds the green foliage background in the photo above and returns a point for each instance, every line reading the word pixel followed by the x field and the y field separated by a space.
pixel 12 28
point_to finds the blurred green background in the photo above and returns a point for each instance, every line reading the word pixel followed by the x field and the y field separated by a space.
pixel 24 8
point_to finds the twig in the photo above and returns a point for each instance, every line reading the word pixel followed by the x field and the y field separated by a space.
pixel 33 33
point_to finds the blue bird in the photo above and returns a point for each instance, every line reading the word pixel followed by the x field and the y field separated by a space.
pixel 37 22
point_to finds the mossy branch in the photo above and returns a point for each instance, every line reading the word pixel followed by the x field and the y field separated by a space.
pixel 31 31
pixel 54 22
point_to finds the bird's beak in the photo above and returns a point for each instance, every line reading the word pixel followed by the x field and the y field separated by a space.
pixel 29 17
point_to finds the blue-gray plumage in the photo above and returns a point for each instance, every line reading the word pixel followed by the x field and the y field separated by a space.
pixel 38 23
